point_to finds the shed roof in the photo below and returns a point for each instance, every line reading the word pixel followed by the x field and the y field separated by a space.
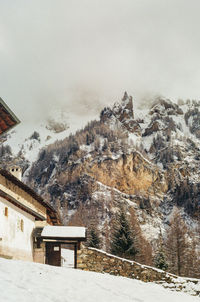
pixel 69 232
pixel 8 119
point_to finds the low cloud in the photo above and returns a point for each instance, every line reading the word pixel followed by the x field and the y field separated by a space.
pixel 83 54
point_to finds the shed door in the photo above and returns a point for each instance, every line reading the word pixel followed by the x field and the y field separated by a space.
pixel 53 254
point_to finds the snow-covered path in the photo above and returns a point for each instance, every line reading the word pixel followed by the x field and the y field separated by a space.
pixel 30 282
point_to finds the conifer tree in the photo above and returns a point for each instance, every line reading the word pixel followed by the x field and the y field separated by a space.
pixel 160 260
pixel 122 243
pixel 94 240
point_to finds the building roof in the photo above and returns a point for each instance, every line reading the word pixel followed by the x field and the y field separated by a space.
pixel 50 210
pixel 63 232
pixel 8 119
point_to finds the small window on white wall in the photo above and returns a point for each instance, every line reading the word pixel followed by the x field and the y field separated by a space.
pixel 22 225
pixel 6 211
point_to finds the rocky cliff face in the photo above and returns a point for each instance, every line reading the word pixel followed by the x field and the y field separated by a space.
pixel 131 173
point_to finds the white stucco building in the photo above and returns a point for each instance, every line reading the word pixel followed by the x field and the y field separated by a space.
pixel 21 211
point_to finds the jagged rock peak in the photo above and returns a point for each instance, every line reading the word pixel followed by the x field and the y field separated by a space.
pixel 125 97
pixel 124 109
pixel 122 112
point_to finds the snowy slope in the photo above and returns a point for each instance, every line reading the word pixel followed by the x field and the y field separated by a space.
pixel 21 140
pixel 23 281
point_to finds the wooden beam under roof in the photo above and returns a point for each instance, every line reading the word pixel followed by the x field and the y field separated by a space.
pixel 8 119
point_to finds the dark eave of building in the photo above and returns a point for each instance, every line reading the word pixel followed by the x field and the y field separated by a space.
pixel 50 210
pixel 64 238
pixel 8 119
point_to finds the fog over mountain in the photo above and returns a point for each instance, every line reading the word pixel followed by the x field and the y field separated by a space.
pixel 83 54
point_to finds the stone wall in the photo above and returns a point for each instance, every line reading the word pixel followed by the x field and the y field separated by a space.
pixel 98 261
pixel 39 253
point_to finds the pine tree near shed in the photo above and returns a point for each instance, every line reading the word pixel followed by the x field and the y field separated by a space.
pixel 122 244
pixel 94 240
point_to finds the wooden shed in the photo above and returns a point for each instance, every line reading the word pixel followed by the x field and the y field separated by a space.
pixel 53 237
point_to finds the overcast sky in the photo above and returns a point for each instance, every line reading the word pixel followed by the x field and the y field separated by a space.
pixel 86 53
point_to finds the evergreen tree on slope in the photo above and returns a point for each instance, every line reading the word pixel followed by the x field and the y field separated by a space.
pixel 94 240
pixel 160 260
pixel 122 243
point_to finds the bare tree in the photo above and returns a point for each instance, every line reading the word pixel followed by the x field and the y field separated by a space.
pixel 177 245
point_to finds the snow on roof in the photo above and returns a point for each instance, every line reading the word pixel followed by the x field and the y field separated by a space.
pixel 64 232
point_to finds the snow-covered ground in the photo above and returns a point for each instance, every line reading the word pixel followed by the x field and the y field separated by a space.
pixel 28 282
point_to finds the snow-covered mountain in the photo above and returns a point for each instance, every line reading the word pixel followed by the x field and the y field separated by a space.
pixel 146 159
